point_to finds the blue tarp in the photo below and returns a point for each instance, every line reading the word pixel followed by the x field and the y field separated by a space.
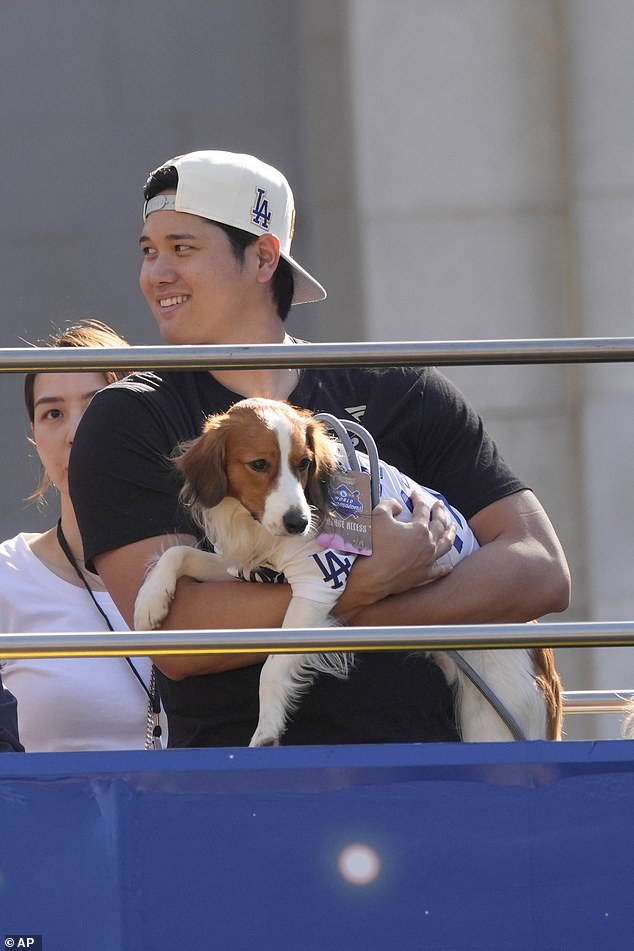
pixel 442 847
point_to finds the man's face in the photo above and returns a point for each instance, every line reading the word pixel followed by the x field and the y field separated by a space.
pixel 197 290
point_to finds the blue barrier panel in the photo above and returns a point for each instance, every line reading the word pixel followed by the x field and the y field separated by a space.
pixel 447 847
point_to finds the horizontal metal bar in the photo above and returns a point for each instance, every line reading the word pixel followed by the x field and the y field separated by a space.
pixel 407 353
pixel 597 701
pixel 287 641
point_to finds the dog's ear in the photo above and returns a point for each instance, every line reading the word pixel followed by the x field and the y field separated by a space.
pixel 323 465
pixel 203 465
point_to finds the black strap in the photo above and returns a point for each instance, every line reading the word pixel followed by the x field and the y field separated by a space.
pixel 63 544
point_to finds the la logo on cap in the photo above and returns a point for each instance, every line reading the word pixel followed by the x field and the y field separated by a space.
pixel 260 214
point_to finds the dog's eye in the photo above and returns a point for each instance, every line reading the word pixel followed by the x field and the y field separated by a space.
pixel 259 465
pixel 303 464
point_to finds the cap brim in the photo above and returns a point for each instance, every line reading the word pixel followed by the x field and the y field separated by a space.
pixel 306 289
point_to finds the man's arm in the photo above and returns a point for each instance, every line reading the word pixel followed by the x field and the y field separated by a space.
pixel 519 573
pixel 405 555
pixel 197 606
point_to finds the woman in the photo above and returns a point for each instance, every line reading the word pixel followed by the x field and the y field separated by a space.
pixel 79 703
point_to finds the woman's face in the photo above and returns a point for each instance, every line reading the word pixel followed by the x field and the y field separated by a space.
pixel 60 400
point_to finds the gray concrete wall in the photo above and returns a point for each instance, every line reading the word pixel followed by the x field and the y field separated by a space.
pixel 94 95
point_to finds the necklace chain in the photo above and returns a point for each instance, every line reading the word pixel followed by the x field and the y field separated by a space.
pixel 153 725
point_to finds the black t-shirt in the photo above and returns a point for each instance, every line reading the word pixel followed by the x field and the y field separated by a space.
pixel 125 489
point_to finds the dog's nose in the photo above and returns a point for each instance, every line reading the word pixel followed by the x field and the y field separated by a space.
pixel 295 522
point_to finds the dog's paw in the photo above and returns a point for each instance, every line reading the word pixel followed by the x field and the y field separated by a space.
pixel 264 738
pixel 153 602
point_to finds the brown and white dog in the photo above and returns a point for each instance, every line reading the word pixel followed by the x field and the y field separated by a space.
pixel 254 481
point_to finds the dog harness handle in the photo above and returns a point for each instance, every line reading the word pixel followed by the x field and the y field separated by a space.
pixel 342 428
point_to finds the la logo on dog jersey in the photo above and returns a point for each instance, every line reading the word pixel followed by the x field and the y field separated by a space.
pixel 260 214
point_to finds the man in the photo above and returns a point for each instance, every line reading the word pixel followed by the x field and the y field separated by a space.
pixel 217 269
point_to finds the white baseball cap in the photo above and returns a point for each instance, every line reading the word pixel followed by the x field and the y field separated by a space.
pixel 238 190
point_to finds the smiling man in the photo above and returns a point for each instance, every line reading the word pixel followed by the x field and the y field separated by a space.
pixel 217 269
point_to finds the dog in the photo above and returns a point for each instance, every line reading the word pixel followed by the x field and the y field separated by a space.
pixel 255 484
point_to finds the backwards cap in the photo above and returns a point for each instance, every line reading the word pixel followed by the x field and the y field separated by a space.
pixel 241 191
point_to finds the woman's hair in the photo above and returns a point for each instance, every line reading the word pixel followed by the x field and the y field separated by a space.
pixel 283 283
pixel 84 333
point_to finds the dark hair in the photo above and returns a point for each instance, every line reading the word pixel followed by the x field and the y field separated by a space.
pixel 85 333
pixel 283 283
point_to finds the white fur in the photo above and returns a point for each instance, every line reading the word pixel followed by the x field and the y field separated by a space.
pixel 509 674
pixel 243 544
pixel 288 493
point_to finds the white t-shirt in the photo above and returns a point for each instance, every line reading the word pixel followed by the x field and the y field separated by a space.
pixel 66 704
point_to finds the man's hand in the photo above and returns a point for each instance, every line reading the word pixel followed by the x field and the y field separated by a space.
pixel 405 554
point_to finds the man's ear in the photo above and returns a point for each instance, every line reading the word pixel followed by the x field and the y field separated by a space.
pixel 267 249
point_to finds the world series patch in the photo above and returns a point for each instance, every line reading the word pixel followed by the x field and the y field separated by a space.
pixel 348 523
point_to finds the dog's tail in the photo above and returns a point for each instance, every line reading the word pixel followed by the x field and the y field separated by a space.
pixel 550 684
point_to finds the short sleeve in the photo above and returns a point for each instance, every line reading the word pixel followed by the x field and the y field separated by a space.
pixel 123 484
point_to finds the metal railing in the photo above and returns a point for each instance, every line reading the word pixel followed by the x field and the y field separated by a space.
pixel 412 353
pixel 597 701
pixel 156 643
pixel 248 356
pixel 326 640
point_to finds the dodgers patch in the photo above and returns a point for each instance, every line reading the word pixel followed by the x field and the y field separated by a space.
pixel 260 214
